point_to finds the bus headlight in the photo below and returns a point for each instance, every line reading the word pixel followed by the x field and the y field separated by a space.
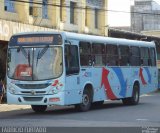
pixel 54 90
pixel 11 89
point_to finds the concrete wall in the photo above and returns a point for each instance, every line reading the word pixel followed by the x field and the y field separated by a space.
pixel 145 18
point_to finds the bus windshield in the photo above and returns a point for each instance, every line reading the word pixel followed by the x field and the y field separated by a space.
pixel 34 63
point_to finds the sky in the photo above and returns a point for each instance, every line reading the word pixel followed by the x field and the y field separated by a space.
pixel 120 18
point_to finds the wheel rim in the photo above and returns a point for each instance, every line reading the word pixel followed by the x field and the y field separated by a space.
pixel 85 100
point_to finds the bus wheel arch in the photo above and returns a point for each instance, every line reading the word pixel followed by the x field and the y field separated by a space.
pixel 89 87
pixel 87 98
pixel 134 99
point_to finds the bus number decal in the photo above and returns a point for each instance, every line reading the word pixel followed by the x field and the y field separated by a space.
pixel 87 74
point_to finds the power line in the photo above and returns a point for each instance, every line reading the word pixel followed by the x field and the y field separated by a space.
pixel 20 3
pixel 84 8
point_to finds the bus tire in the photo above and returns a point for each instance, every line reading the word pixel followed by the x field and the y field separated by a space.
pixel 86 101
pixel 134 100
pixel 39 108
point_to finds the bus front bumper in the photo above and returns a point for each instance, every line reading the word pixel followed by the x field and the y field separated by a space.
pixel 57 99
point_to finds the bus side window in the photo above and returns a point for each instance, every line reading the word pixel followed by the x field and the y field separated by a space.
pixel 71 59
pixel 85 54
pixel 144 56
pixel 135 56
pixel 112 55
pixel 124 55
pixel 98 53
pixel 152 57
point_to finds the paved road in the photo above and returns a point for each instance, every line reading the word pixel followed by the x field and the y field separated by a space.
pixel 111 114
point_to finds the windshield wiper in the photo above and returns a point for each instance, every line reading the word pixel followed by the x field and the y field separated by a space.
pixel 23 52
pixel 26 55
pixel 29 58
pixel 41 53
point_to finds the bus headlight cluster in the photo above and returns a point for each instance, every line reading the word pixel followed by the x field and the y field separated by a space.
pixel 11 89
pixel 54 90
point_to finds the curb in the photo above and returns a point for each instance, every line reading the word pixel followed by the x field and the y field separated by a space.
pixel 7 107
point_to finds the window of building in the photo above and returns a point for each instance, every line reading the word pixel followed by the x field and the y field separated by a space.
pixel 96 18
pixel 112 55
pixel 62 10
pixel 45 9
pixel 31 7
pixel 9 6
pixel 135 56
pixel 85 54
pixel 124 55
pixel 144 56
pixel 98 53
pixel 72 12
pixel 87 16
pixel 152 57
pixel 71 59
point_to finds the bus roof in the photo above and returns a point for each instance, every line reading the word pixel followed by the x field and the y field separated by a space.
pixel 93 38
pixel 107 40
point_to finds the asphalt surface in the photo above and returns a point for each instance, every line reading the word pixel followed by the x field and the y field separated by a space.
pixel 111 114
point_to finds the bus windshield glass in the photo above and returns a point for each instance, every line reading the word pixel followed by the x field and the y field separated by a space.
pixel 34 63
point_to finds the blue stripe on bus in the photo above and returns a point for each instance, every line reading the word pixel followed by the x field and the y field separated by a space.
pixel 122 81
pixel 148 74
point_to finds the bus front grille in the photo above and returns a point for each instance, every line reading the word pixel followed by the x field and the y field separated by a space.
pixel 36 92
pixel 33 86
pixel 33 99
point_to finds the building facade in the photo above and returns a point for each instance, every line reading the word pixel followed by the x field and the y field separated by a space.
pixel 145 16
pixel 81 16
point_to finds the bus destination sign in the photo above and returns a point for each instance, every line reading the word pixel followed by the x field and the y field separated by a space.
pixel 33 39
pixel 46 39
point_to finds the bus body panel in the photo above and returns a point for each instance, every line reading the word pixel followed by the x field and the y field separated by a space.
pixel 108 82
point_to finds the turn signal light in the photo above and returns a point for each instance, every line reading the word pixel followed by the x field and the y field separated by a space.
pixel 55 99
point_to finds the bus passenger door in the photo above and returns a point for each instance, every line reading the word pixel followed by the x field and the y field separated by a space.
pixel 72 69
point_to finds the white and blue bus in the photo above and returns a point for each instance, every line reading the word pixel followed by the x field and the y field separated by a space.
pixel 62 68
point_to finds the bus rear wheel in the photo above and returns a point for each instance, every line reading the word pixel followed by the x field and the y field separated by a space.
pixel 39 108
pixel 86 101
pixel 134 100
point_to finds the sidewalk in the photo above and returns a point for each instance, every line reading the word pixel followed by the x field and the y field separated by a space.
pixel 6 107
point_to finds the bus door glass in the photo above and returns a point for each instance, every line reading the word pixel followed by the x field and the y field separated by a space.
pixel 72 72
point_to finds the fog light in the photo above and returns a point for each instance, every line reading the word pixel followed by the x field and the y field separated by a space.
pixel 19 99
pixel 45 100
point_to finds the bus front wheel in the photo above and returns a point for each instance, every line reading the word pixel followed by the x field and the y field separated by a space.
pixel 39 108
pixel 134 100
pixel 86 101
